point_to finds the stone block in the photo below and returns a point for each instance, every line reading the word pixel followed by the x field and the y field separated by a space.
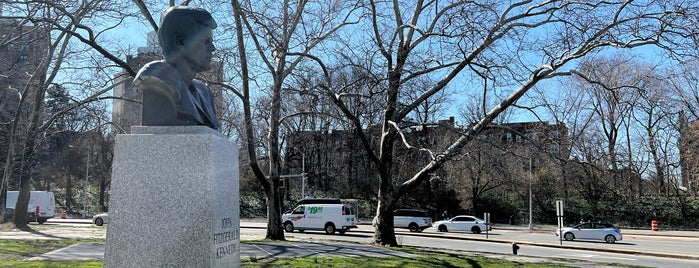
pixel 174 199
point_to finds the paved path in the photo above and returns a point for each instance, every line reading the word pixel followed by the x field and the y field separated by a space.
pixel 77 252
pixel 255 250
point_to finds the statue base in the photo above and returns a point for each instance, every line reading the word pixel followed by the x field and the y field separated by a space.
pixel 174 199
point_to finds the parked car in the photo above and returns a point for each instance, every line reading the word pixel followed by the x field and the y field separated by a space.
pixel 100 219
pixel 592 231
pixel 415 220
pixel 8 214
pixel 463 223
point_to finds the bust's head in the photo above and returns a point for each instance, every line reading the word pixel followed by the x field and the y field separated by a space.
pixel 186 34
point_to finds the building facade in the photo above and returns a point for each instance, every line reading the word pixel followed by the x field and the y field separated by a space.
pixel 23 49
pixel 338 158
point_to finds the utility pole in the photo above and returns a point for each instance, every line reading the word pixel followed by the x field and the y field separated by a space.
pixel 303 175
pixel 87 174
pixel 531 175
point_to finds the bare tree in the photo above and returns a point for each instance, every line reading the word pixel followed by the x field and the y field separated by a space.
pixel 280 34
pixel 685 84
pixel 55 26
pixel 465 39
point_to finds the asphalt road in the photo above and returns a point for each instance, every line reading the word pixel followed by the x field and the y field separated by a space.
pixel 587 252
pixel 642 248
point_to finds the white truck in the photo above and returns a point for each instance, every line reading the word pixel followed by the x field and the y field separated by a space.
pixel 327 217
pixel 42 205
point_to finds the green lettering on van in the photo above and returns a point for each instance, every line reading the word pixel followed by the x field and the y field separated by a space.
pixel 314 210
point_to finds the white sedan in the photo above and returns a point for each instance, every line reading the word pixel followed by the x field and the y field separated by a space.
pixel 100 219
pixel 592 231
pixel 462 223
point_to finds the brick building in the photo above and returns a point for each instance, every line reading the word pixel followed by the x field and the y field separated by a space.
pixel 338 158
pixel 23 47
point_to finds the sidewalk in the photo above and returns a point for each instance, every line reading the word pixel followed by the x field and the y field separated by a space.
pixel 257 250
pixel 261 224
pixel 646 232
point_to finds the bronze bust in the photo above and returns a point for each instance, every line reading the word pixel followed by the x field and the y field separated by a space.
pixel 171 95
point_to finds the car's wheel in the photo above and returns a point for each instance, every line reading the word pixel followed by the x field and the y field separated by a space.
pixel 568 236
pixel 413 227
pixel 476 229
pixel 329 228
pixel 442 228
pixel 610 239
pixel 288 227
pixel 99 222
pixel 420 230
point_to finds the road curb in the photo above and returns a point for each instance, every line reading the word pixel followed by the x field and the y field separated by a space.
pixel 550 245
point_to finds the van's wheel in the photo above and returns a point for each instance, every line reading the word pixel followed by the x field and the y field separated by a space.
pixel 342 231
pixel 40 221
pixel 329 228
pixel 476 230
pixel 99 222
pixel 288 227
pixel 413 227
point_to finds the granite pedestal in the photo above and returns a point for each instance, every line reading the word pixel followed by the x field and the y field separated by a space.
pixel 174 199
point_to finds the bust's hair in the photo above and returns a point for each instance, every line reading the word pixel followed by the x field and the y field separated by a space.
pixel 181 22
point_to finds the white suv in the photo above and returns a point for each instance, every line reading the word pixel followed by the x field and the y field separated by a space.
pixel 415 220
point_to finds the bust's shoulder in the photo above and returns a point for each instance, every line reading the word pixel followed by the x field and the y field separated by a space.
pixel 159 71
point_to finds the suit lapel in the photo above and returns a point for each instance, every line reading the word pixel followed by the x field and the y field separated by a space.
pixel 200 97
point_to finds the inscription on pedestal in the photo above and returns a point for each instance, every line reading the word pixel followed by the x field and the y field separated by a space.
pixel 226 242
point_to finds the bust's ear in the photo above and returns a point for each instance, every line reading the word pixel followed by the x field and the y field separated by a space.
pixel 179 40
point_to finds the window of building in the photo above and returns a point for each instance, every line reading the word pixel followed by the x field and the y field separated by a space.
pixel 509 136
pixel 554 135
pixel 554 148
pixel 23 58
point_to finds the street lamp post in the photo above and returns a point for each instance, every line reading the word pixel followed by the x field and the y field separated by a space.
pixel 303 175
pixel 87 175
pixel 531 175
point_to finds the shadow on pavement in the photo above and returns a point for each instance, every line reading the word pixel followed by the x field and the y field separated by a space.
pixel 261 250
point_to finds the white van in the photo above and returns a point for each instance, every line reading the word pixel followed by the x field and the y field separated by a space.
pixel 328 217
pixel 42 205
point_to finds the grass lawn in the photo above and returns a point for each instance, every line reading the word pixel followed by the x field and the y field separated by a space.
pixel 424 259
pixel 13 252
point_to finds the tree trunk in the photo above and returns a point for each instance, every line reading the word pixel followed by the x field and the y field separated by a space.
pixel 384 233
pixel 275 231
pixel 103 186
pixel 69 193
pixel 20 220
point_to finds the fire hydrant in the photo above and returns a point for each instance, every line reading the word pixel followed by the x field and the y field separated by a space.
pixel 515 247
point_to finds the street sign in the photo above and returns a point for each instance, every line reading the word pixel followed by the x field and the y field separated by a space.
pixel 559 208
pixel 559 214
pixel 486 218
